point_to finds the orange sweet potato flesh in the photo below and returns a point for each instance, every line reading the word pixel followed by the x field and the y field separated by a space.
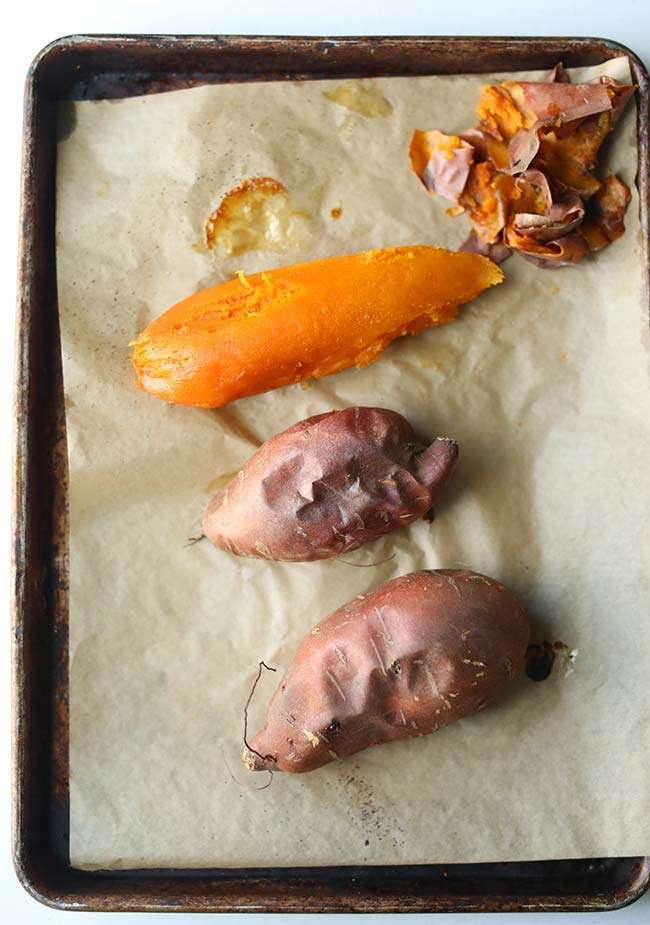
pixel 308 320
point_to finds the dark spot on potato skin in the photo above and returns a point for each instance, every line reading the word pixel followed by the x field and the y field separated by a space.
pixel 539 661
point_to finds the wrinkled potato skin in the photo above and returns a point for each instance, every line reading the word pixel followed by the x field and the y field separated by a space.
pixel 406 659
pixel 329 484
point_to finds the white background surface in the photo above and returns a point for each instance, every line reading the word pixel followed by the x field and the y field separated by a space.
pixel 34 24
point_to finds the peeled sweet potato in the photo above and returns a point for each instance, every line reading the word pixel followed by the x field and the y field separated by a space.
pixel 256 333
pixel 329 484
pixel 410 657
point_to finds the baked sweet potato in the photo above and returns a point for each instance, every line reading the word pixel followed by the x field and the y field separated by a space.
pixel 329 484
pixel 256 333
pixel 415 654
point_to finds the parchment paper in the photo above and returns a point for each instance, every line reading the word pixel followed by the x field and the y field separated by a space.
pixel 543 380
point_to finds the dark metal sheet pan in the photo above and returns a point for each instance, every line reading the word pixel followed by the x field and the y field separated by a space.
pixel 93 67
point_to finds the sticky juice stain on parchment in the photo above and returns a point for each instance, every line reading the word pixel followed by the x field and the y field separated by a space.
pixel 364 99
pixel 142 318
pixel 256 215
pixel 218 482
pixel 430 363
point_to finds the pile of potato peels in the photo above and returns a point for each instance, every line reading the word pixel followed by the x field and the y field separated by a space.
pixel 525 176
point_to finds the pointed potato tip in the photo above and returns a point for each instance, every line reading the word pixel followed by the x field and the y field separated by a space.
pixel 255 762
pixel 443 450
pixel 452 445
pixel 437 462
pixel 251 761
pixel 484 272
pixel 496 274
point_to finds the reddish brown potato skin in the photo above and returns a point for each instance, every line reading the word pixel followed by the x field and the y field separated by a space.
pixel 415 654
pixel 329 484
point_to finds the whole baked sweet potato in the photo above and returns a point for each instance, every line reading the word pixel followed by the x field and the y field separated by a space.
pixel 329 484
pixel 415 654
